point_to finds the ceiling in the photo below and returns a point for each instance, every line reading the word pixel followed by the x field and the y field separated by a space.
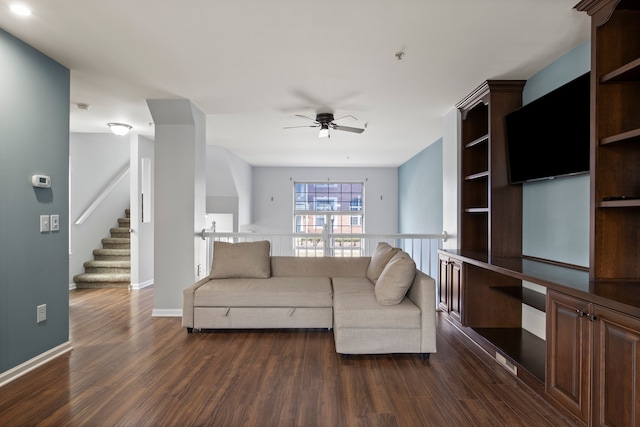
pixel 252 65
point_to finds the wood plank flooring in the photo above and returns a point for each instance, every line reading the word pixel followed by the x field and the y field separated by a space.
pixel 130 369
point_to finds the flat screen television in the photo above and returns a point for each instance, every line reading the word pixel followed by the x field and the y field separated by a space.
pixel 549 137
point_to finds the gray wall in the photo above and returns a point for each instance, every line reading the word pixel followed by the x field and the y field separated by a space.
pixel 34 139
pixel 273 196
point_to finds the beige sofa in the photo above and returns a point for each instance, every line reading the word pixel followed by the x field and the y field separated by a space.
pixel 375 305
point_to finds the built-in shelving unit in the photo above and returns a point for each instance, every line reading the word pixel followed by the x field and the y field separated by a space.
pixel 485 224
pixel 588 364
pixel 615 139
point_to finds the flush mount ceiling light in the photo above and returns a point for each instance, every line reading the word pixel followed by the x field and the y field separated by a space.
pixel 119 129
pixel 20 9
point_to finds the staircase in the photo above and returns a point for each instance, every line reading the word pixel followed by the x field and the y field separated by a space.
pixel 111 267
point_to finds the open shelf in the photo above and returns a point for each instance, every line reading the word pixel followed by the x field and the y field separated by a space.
pixel 620 203
pixel 630 71
pixel 629 136
pixel 483 138
pixel 476 210
pixel 479 175
pixel 523 347
pixel 527 296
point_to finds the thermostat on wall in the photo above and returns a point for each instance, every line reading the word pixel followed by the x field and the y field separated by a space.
pixel 42 181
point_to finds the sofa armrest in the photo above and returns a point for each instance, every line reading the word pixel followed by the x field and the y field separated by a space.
pixel 423 294
pixel 188 296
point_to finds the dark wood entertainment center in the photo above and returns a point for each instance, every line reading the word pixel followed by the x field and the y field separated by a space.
pixel 589 364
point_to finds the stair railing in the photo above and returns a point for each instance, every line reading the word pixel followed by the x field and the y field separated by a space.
pixel 103 195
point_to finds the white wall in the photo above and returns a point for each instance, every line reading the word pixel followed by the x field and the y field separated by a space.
pixel 242 174
pixel 94 161
pixel 228 185
pixel 450 186
pixel 142 232
pixel 273 196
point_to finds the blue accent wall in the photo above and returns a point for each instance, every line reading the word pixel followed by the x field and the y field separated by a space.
pixel 555 217
pixel 34 139
pixel 420 192
pixel 555 212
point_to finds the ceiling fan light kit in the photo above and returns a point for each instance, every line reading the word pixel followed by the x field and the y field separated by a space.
pixel 325 121
pixel 324 131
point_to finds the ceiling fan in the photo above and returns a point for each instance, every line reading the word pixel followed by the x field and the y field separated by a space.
pixel 325 121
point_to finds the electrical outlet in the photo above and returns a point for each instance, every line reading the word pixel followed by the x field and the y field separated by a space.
pixel 41 313
pixel 44 223
pixel 54 222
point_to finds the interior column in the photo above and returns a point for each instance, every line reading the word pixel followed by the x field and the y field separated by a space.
pixel 180 200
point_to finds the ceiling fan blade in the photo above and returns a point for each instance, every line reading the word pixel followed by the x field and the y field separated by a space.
pixel 307 126
pixel 344 117
pixel 347 128
pixel 305 117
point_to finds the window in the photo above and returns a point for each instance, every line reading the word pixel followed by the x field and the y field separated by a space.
pixel 327 210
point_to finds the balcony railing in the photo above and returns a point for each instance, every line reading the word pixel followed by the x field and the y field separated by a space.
pixel 423 248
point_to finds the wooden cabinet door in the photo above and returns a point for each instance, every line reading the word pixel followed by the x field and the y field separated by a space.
pixel 616 383
pixel 455 286
pixel 568 352
pixel 443 298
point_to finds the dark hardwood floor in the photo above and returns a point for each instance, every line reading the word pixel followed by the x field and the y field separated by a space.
pixel 130 369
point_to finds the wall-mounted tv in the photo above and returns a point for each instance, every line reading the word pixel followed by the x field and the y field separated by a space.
pixel 549 137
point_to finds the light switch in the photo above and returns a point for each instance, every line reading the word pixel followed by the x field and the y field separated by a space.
pixel 44 223
pixel 55 222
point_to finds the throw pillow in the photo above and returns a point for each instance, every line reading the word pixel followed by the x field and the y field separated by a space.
pixel 381 256
pixel 241 260
pixel 395 280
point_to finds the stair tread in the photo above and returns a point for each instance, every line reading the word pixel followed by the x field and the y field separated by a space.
pixel 101 285
pixel 113 251
pixel 102 277
pixel 108 263
pixel 112 266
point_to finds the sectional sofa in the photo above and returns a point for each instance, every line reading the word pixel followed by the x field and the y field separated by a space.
pixel 375 305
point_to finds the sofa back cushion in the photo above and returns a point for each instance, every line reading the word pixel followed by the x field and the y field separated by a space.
pixel 319 266
pixel 381 256
pixel 396 279
pixel 241 260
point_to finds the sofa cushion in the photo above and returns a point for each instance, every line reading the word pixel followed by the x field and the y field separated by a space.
pixel 381 256
pixel 272 292
pixel 355 306
pixel 241 260
pixel 396 278
pixel 319 266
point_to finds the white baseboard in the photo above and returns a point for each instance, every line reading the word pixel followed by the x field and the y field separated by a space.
pixel 138 286
pixel 164 312
pixel 28 366
pixel 72 286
